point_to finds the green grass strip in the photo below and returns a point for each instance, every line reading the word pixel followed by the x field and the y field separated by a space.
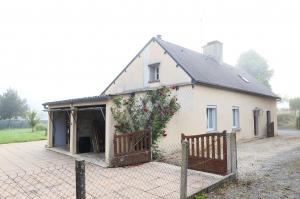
pixel 20 135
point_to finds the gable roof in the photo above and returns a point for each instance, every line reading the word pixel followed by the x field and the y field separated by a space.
pixel 205 70
pixel 201 68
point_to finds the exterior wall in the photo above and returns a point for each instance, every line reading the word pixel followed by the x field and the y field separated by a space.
pixel 137 74
pixel 169 73
pixel 193 119
pixel 130 79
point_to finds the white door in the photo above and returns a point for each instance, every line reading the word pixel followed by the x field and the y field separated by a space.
pixel 59 128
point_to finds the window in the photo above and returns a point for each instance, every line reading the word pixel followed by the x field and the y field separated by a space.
pixel 244 78
pixel 154 72
pixel 211 118
pixel 235 117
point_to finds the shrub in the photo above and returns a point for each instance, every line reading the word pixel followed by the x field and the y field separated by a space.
pixel 298 123
pixel 286 118
pixel 41 127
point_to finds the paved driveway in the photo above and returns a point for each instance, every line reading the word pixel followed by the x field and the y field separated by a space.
pixel 28 170
pixel 29 156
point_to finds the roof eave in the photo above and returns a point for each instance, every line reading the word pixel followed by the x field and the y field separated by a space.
pixel 192 77
pixel 152 39
pixel 88 99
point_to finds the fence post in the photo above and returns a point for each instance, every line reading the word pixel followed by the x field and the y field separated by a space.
pixel 184 166
pixel 80 179
pixel 232 154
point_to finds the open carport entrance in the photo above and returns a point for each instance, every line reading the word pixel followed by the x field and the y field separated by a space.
pixel 89 124
pixel 90 131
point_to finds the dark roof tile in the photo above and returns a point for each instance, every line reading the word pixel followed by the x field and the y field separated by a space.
pixel 206 70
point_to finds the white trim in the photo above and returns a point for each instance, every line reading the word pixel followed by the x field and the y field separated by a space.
pixel 211 106
pixel 235 117
pixel 211 118
pixel 156 73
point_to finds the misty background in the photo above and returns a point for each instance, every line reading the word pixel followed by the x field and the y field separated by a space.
pixel 57 50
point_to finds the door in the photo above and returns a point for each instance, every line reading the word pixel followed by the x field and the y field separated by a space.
pixel 268 117
pixel 59 128
pixel 255 117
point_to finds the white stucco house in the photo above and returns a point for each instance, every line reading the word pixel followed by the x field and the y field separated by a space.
pixel 214 96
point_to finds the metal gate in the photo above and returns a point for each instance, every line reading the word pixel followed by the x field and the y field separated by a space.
pixel 270 130
pixel 132 148
pixel 207 152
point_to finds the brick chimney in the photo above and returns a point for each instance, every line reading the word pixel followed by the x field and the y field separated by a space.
pixel 215 50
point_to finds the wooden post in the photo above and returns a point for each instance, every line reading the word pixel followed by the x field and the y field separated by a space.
pixel 80 179
pixel 184 166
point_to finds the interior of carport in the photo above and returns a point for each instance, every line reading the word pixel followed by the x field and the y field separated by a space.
pixel 90 128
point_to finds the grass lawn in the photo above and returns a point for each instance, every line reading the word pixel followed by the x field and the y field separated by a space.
pixel 20 135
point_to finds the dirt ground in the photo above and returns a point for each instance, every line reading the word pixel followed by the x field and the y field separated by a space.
pixel 268 168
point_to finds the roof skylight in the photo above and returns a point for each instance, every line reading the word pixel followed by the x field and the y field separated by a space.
pixel 244 78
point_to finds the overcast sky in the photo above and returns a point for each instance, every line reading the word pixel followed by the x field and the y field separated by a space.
pixel 55 50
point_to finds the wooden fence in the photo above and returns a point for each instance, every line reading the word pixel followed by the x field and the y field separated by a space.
pixel 270 130
pixel 132 148
pixel 207 152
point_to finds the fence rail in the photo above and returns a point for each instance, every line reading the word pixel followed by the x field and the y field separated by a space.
pixel 132 148
pixel 207 152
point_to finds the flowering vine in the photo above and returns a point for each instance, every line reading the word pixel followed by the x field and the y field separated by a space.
pixel 152 110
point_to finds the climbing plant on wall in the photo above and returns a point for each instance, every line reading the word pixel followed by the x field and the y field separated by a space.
pixel 152 110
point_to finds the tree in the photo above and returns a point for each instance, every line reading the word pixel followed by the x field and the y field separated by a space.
pixel 257 66
pixel 11 105
pixel 32 117
pixel 295 104
pixel 282 98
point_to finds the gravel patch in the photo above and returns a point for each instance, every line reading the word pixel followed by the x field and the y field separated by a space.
pixel 267 168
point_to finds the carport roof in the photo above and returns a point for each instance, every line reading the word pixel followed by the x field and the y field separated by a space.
pixel 83 99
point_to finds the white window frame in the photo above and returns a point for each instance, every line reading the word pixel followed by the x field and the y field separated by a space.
pixel 156 77
pixel 154 72
pixel 235 117
pixel 211 118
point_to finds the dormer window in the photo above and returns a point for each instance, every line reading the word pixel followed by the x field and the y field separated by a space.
pixel 154 72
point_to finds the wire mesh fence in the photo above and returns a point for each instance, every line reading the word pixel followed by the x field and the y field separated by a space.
pixel 149 180
pixel 163 177
pixel 17 124
pixel 51 182
pixel 160 178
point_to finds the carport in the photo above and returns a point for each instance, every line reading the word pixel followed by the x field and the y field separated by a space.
pixel 78 125
pixel 89 123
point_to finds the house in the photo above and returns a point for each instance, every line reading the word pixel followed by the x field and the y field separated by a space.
pixel 213 95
